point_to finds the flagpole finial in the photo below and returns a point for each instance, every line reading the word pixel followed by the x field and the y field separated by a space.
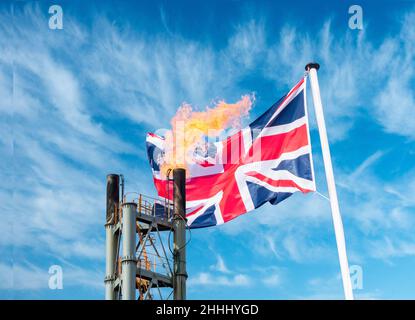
pixel 312 65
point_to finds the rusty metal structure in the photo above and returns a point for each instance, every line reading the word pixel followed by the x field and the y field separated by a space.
pixel 140 261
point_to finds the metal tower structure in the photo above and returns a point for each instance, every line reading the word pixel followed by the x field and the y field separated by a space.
pixel 141 230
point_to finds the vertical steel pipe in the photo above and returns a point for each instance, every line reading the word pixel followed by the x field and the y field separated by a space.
pixel 129 262
pixel 179 228
pixel 111 238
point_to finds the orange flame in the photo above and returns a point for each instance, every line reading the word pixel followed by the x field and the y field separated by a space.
pixel 190 128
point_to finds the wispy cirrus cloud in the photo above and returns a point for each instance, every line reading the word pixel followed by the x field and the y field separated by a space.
pixel 208 279
pixel 220 265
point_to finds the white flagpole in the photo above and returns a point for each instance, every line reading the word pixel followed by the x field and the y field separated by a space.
pixel 337 220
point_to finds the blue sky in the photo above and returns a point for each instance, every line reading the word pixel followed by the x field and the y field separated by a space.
pixel 76 104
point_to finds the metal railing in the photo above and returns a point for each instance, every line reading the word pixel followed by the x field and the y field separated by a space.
pixel 151 206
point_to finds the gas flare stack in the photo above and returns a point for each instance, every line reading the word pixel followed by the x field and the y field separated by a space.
pixel 140 229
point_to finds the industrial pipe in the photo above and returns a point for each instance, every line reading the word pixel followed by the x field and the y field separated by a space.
pixel 129 261
pixel 111 237
pixel 179 229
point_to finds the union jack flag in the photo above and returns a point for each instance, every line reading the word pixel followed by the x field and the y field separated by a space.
pixel 265 162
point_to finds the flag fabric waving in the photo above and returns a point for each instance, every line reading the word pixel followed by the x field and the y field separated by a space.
pixel 265 162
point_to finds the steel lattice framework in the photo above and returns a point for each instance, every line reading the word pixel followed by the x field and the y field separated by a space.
pixel 140 263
